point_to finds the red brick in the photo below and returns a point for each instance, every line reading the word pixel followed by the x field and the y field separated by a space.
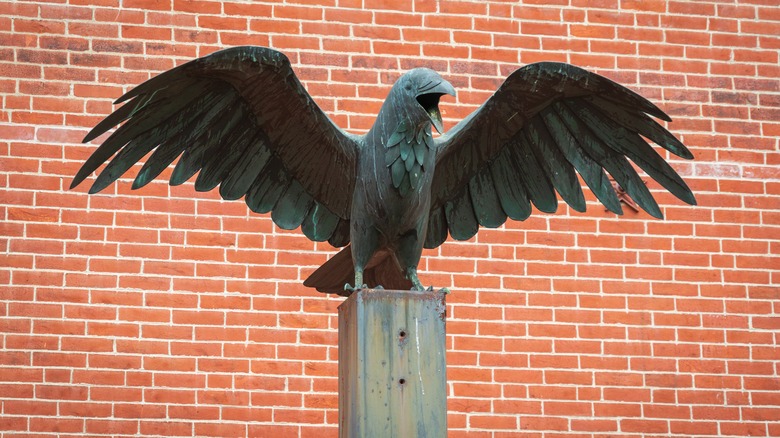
pixel 493 422
pixel 62 425
pixel 112 426
pixel 655 317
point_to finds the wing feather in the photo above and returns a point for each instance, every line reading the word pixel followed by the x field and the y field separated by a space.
pixel 461 221
pixel 242 119
pixel 319 224
pixel 232 147
pixel 614 163
pixel 170 80
pixel 292 207
pixel 124 160
pixel 639 122
pixel 631 145
pixel 145 121
pixel 141 142
pixel 554 164
pixel 511 192
pixel 591 171
pixel 191 160
pixel 146 103
pixel 340 236
pixel 174 145
pixel 485 200
pixel 437 228
pixel 250 164
pixel 537 183
pixel 267 188
pixel 161 158
pixel 546 123
pixel 215 147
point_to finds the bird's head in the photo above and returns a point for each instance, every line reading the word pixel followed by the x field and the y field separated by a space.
pixel 425 86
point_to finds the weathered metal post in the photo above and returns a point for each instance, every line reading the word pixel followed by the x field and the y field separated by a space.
pixel 392 365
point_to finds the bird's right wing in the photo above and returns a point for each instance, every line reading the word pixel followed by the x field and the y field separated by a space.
pixel 242 118
pixel 546 121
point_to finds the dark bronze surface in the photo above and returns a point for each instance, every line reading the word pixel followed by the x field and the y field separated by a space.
pixel 241 120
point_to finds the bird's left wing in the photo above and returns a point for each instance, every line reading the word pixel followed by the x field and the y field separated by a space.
pixel 546 121
pixel 242 118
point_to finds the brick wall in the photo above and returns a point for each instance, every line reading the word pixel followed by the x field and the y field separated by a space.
pixel 167 312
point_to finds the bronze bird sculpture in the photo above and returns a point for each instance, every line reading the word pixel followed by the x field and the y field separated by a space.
pixel 242 120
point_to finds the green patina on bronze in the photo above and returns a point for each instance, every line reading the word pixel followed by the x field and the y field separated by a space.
pixel 407 151
pixel 242 121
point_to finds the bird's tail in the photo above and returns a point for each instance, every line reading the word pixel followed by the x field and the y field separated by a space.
pixel 383 270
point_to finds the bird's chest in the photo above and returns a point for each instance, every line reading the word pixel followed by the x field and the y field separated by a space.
pixel 397 175
pixel 408 158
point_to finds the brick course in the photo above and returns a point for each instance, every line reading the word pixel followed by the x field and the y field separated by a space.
pixel 169 312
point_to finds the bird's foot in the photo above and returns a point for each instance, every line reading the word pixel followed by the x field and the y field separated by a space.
pixel 411 274
pixel 352 289
pixel 417 286
pixel 445 290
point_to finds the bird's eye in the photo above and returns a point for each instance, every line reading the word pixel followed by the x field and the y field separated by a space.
pixel 408 86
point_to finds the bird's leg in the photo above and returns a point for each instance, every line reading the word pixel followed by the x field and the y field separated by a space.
pixel 358 282
pixel 408 252
pixel 365 240
pixel 411 275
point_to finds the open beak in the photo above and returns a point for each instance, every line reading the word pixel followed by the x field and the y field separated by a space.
pixel 429 100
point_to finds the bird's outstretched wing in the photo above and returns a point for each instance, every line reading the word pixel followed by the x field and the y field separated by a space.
pixel 546 121
pixel 242 118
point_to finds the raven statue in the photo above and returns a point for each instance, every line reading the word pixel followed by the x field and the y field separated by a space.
pixel 242 120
